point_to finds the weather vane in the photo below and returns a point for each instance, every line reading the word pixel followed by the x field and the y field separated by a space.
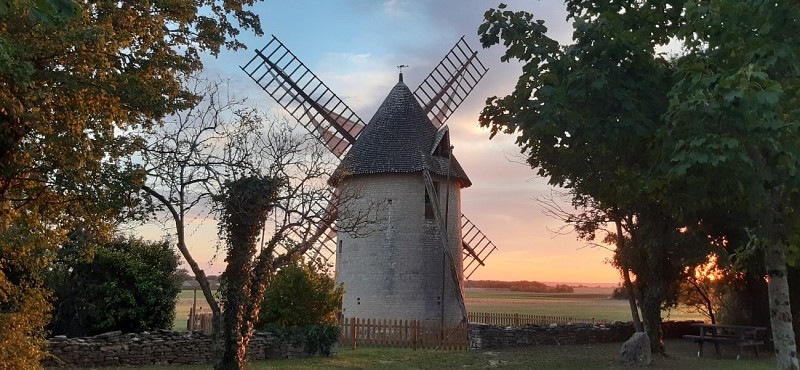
pixel 401 66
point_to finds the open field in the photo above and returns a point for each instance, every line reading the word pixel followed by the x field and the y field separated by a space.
pixel 584 303
pixel 681 355
pixel 185 298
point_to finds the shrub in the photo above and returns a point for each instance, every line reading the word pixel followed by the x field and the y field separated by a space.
pixel 127 284
pixel 317 338
pixel 300 294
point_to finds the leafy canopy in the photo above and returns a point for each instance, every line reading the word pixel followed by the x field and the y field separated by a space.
pixel 75 78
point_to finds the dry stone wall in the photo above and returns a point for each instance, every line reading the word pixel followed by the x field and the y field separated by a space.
pixel 483 336
pixel 159 347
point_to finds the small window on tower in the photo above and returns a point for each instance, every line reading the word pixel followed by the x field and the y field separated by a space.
pixel 340 246
pixel 428 206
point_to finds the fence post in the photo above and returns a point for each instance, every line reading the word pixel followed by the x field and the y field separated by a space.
pixel 369 329
pixel 414 334
pixel 189 321
pixel 354 325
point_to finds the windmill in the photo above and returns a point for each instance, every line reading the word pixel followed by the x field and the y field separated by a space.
pixel 414 266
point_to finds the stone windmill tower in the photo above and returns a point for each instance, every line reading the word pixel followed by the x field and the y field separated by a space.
pixel 413 262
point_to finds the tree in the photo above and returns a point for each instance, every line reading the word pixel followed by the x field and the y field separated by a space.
pixel 725 115
pixel 76 76
pixel 126 284
pixel 702 290
pixel 244 205
pixel 301 294
pixel 735 111
pixel 221 141
pixel 586 115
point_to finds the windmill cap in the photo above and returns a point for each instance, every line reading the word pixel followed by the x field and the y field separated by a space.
pixel 399 139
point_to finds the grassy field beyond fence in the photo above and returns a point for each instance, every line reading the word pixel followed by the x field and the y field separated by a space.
pixel 584 303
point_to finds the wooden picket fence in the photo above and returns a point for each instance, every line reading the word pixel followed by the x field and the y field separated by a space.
pixel 517 319
pixel 200 321
pixel 412 334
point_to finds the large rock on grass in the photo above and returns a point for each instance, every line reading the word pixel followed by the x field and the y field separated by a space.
pixel 636 350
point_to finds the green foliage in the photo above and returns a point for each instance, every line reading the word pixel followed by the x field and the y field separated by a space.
pixel 300 294
pixel 127 284
pixel 317 338
pixel 620 293
pixel 685 153
pixel 587 115
pixel 75 77
pixel 244 205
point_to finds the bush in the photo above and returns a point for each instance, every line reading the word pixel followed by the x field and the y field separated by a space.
pixel 317 338
pixel 300 294
pixel 620 292
pixel 127 284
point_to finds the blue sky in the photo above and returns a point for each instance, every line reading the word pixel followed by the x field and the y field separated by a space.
pixel 354 46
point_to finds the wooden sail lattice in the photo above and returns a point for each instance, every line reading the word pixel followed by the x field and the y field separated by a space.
pixel 446 87
pixel 476 246
pixel 304 96
pixel 325 244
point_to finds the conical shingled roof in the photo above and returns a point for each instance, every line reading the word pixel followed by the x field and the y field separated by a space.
pixel 398 139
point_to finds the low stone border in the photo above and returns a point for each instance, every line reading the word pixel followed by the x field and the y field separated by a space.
pixel 484 336
pixel 159 347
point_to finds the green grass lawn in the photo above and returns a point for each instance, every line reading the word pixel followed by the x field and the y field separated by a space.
pixel 681 355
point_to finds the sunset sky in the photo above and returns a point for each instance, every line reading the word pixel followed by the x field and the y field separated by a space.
pixel 354 46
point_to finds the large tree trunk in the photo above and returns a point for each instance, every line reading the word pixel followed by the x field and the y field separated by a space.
pixel 637 322
pixel 652 237
pixel 779 308
pixel 626 275
pixel 651 314
pixel 236 290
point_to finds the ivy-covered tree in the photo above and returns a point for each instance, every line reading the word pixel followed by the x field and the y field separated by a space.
pixel 125 284
pixel 244 205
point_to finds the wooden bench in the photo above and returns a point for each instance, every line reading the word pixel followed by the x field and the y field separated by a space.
pixel 740 336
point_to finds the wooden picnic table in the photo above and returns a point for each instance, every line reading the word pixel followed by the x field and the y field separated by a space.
pixel 739 335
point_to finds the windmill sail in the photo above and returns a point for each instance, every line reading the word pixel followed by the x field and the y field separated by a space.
pixel 450 82
pixel 325 245
pixel 477 247
pixel 440 94
pixel 301 93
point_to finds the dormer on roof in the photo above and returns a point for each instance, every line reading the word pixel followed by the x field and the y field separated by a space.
pixel 441 145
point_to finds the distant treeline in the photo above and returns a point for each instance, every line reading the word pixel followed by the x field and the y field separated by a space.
pixel 519 286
